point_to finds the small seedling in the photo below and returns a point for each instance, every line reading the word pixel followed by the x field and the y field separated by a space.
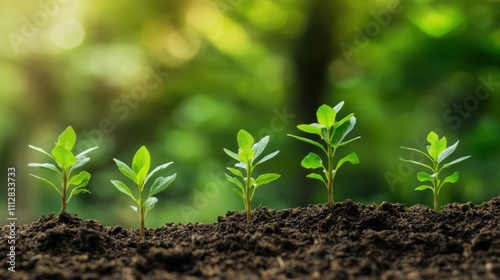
pixel 66 162
pixel 139 174
pixel 437 151
pixel 332 133
pixel 248 152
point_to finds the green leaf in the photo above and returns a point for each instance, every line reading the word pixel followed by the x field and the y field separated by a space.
pixel 122 188
pixel 81 179
pixel 86 152
pixel 246 154
pixel 63 157
pixel 453 178
pixel 238 192
pixel 455 161
pixel 232 154
pixel 312 161
pixel 326 115
pixel 48 182
pixel 341 132
pixel 161 167
pixel 141 161
pixel 244 139
pixel 417 163
pixel 161 183
pixel 348 141
pixel 67 139
pixel 418 151
pixel 150 203
pixel 352 158
pixel 424 176
pixel 134 208
pixel 338 106
pixel 236 172
pixel 45 166
pixel 423 187
pixel 41 151
pixel 235 181
pixel 266 179
pixel 313 128
pixel 432 137
pixel 266 158
pixel 141 177
pixel 317 177
pixel 259 147
pixel 76 191
pixel 344 120
pixel 80 161
pixel 125 169
pixel 443 155
pixel 437 148
pixel 308 141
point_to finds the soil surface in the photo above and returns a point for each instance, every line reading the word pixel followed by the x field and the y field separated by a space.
pixel 352 241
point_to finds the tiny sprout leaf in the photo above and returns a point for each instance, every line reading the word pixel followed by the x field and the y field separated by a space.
pixel 235 181
pixel 348 141
pixel 313 128
pixel 161 167
pixel 41 151
pixel 446 152
pixel 268 157
pixel 134 208
pixel 150 203
pixel 417 163
pixel 232 154
pixel 235 172
pixel 238 192
pixel 437 148
pixel 266 179
pixel 67 138
pixel 308 141
pixel 259 147
pixel 455 161
pixel 122 188
pixel 338 106
pixel 81 179
pixel 161 183
pixel 453 178
pixel 352 158
pixel 432 137
pixel 80 161
pixel 246 154
pixel 125 169
pixel 312 161
pixel 423 187
pixel 45 166
pixel 86 152
pixel 244 139
pixel 341 132
pixel 63 157
pixel 326 115
pixel 317 177
pixel 424 176
pixel 48 182
pixel 141 161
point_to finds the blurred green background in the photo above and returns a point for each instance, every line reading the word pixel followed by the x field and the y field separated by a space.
pixel 182 77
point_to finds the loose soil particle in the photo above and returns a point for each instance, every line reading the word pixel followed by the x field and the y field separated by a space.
pixel 352 241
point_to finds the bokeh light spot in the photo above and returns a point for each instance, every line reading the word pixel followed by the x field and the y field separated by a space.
pixel 67 34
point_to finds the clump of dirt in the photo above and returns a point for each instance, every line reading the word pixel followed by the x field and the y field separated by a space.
pixel 351 241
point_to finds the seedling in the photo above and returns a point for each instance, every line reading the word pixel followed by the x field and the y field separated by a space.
pixel 332 133
pixel 436 153
pixel 139 175
pixel 247 154
pixel 66 163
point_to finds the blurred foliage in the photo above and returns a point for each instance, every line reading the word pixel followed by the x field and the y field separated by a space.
pixel 182 77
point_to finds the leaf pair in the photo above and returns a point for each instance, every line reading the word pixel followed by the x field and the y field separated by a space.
pixel 332 133
pixel 248 152
pixel 138 173
pixel 437 152
pixel 65 162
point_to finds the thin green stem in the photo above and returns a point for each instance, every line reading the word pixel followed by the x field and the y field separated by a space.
pixel 64 189
pixel 141 210
pixel 330 176
pixel 436 187
pixel 248 200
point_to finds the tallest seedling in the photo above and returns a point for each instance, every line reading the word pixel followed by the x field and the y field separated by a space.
pixel 332 134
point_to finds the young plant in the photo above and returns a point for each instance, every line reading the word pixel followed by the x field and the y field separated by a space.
pixel 247 154
pixel 332 134
pixel 437 152
pixel 65 163
pixel 140 176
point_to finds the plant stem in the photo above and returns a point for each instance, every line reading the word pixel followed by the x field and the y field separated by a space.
pixel 436 199
pixel 330 175
pixel 248 201
pixel 64 188
pixel 141 211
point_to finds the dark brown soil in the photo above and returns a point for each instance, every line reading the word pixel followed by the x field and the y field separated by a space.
pixel 352 241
